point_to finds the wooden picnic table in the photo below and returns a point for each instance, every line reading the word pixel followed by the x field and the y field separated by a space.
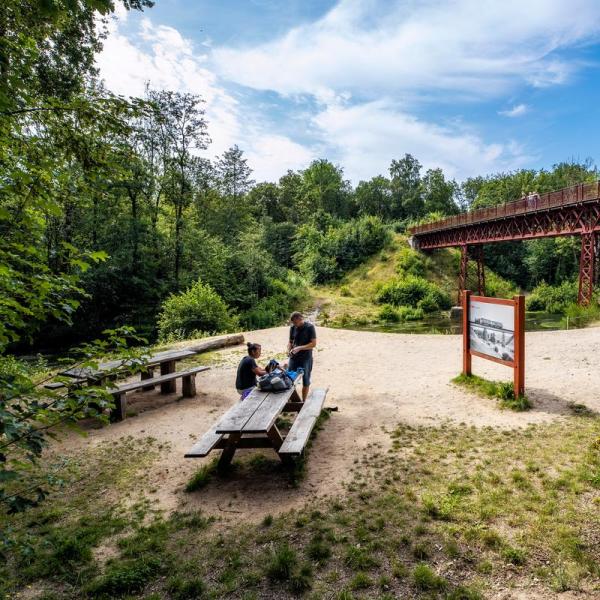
pixel 252 424
pixel 167 361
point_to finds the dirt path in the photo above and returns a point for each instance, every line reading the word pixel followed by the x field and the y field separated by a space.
pixel 376 380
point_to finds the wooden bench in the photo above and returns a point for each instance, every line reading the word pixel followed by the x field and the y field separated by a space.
pixel 57 385
pixel 188 389
pixel 204 445
pixel 299 433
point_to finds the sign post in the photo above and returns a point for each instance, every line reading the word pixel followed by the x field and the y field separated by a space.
pixel 494 329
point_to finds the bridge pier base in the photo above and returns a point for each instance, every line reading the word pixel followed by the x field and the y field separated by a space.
pixel 587 264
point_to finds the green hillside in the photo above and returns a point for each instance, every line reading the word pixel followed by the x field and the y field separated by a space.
pixel 355 299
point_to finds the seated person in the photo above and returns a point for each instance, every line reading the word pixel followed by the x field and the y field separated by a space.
pixel 248 370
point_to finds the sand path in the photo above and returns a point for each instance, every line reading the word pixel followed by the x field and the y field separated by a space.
pixel 376 380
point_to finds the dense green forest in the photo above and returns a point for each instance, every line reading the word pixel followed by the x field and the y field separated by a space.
pixel 110 207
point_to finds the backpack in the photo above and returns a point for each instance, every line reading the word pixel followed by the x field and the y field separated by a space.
pixel 275 381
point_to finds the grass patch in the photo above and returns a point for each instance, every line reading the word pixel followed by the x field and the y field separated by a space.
pixel 425 578
pixel 440 509
pixel 499 390
pixel 202 476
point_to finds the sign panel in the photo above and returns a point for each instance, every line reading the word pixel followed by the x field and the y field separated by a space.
pixel 492 329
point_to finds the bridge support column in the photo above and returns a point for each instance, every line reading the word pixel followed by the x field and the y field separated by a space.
pixel 587 262
pixel 480 270
pixel 464 270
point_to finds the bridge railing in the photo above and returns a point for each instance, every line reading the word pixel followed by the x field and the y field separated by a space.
pixel 571 195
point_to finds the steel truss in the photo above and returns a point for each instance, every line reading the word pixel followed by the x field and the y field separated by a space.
pixel 464 270
pixel 574 219
pixel 587 263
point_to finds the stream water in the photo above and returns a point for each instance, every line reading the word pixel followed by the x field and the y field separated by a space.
pixel 443 324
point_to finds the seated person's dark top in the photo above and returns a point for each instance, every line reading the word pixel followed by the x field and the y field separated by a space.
pixel 246 378
pixel 300 336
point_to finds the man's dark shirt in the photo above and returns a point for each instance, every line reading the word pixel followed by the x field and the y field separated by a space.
pixel 246 378
pixel 300 336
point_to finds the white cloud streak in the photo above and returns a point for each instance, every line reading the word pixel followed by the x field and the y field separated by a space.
pixel 162 57
pixel 367 136
pixel 478 48
pixel 516 111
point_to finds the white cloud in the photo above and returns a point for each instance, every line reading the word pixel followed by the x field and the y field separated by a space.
pixel 518 110
pixel 478 48
pixel 272 155
pixel 162 57
pixel 369 135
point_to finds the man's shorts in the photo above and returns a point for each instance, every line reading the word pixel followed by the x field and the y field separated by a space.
pixel 302 363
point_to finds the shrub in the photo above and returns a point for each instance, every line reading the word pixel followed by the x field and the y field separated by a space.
pixel 388 313
pixel 325 254
pixel 415 292
pixel 281 297
pixel 199 308
pixel 411 262
pixel 553 299
pixel 406 313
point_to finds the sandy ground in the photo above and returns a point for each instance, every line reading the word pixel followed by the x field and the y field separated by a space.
pixel 376 380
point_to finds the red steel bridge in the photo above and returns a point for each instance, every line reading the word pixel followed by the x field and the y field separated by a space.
pixel 571 211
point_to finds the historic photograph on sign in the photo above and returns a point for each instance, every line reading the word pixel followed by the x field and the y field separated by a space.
pixel 492 329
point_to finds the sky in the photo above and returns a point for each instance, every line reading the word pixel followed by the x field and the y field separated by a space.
pixel 471 86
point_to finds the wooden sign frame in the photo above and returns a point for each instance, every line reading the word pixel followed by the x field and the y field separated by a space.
pixel 518 364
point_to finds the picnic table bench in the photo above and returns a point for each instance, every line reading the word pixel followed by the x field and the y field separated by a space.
pixel 252 424
pixel 188 389
pixel 167 379
pixel 167 361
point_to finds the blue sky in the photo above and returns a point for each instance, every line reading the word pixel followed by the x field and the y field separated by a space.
pixel 471 86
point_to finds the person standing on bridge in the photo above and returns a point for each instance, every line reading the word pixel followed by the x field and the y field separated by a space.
pixel 303 338
pixel 532 199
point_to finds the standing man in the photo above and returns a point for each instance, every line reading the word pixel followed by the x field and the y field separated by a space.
pixel 303 338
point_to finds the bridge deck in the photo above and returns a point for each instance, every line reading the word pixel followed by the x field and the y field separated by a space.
pixel 576 194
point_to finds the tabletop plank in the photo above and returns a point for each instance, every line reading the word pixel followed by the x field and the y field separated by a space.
pixel 266 414
pixel 155 359
pixel 235 418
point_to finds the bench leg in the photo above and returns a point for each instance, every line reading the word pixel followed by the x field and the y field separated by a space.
pixel 147 374
pixel 229 451
pixel 188 386
pixel 119 412
pixel 167 387
pixel 275 437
